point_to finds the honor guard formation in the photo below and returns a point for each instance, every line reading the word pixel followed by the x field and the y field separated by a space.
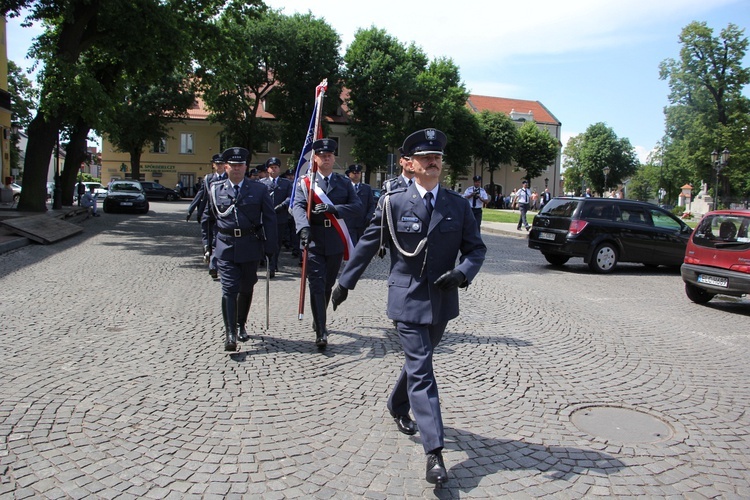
pixel 431 233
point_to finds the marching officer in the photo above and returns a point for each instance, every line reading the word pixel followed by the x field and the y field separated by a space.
pixel 334 200
pixel 427 228
pixel 208 233
pixel 357 225
pixel 406 178
pixel 246 232
pixel 280 190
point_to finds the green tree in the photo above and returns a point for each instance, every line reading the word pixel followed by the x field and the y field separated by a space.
pixel 588 154
pixel 309 53
pixel 708 110
pixel 497 142
pixel 441 104
pixel 237 72
pixel 381 75
pixel 126 33
pixel 23 97
pixel 535 150
pixel 146 114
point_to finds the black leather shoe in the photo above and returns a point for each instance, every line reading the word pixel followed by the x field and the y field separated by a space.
pixel 213 273
pixel 230 344
pixel 322 340
pixel 405 425
pixel 272 274
pixel 242 335
pixel 436 473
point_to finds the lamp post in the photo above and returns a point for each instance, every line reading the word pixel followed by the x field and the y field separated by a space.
pixel 606 173
pixel 719 163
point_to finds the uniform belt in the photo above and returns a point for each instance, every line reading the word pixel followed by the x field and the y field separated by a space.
pixel 238 232
pixel 324 223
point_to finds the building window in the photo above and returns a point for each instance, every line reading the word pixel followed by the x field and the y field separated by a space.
pixel 262 147
pixel 186 143
pixel 160 147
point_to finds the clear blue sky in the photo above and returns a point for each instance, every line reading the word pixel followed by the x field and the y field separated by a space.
pixel 587 61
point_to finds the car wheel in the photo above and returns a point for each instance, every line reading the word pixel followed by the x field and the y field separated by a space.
pixel 697 294
pixel 170 197
pixel 556 260
pixel 604 258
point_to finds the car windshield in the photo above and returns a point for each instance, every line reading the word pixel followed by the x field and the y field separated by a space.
pixel 716 230
pixel 132 188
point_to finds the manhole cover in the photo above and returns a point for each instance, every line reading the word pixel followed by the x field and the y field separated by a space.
pixel 621 424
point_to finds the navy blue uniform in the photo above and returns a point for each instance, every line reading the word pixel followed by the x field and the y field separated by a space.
pixel 420 309
pixel 326 248
pixel 245 225
pixel 280 191
pixel 357 225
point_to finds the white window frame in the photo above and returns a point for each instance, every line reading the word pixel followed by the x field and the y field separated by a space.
pixel 187 143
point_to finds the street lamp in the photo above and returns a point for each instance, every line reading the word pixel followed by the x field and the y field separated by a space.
pixel 719 163
pixel 546 181
pixel 606 173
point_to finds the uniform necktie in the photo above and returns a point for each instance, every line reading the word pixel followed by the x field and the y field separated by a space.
pixel 356 187
pixel 474 201
pixel 325 184
pixel 236 191
pixel 410 181
pixel 428 202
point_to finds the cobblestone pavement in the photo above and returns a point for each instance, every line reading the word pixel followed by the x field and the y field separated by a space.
pixel 114 383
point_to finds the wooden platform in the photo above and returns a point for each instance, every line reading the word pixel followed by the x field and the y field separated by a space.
pixel 41 228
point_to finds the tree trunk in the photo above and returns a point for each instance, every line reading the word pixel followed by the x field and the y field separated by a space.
pixel 75 154
pixel 135 165
pixel 42 139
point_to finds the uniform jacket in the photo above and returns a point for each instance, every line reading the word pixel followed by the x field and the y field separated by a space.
pixel 280 195
pixel 395 183
pixel 253 214
pixel 451 233
pixel 367 198
pixel 325 240
pixel 201 197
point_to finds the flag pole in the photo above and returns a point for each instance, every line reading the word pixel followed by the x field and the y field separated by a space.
pixel 320 94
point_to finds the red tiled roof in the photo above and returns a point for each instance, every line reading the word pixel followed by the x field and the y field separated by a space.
pixel 478 103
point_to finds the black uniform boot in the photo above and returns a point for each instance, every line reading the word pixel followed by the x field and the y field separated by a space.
pixel 229 308
pixel 243 309
pixel 318 306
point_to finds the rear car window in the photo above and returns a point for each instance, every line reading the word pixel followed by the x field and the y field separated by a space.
pixel 597 210
pixel 560 207
pixel 722 231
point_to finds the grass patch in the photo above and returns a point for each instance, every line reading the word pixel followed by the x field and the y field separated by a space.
pixel 494 215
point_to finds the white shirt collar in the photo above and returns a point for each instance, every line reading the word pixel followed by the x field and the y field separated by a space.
pixel 423 191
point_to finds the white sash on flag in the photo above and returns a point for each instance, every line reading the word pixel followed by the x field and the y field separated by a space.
pixel 319 196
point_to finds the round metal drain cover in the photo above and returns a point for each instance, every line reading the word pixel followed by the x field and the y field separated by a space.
pixel 621 424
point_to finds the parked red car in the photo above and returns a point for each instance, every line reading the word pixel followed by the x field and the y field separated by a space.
pixel 717 257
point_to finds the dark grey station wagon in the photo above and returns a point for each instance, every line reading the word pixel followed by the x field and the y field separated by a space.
pixel 605 231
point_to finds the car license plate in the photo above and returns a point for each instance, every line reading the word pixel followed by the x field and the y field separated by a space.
pixel 547 236
pixel 127 203
pixel 713 280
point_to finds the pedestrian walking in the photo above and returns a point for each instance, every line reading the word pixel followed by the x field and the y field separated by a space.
pixel 245 222
pixel 523 198
pixel 324 234
pixel 427 228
